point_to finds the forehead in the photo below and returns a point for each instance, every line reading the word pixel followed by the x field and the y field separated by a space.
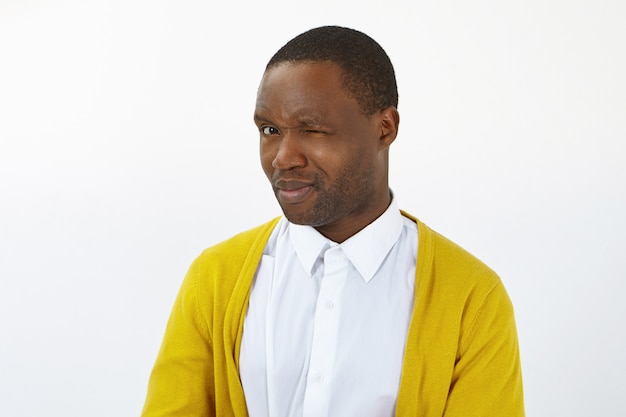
pixel 310 88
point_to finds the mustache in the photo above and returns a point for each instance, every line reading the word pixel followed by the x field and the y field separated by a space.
pixel 290 180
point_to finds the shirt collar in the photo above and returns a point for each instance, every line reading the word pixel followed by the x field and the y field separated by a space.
pixel 366 250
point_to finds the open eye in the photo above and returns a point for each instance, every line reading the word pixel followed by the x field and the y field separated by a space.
pixel 269 130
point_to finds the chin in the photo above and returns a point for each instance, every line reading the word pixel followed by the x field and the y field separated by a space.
pixel 299 218
pixel 302 218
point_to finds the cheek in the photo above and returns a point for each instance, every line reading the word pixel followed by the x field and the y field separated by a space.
pixel 332 156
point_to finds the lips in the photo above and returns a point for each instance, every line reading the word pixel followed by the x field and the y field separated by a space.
pixel 292 191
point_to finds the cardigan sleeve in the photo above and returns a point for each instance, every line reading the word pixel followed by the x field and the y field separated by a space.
pixel 487 380
pixel 196 371
pixel 181 382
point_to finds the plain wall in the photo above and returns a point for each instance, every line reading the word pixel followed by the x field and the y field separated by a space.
pixel 127 146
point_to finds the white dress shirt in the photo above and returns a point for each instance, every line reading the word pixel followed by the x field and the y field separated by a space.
pixel 326 325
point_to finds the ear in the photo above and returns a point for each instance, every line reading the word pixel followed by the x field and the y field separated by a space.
pixel 389 123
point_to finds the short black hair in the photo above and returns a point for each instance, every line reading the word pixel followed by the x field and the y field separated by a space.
pixel 368 74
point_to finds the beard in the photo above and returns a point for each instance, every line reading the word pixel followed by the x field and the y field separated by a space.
pixel 350 194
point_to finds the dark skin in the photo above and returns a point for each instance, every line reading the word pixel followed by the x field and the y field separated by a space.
pixel 326 159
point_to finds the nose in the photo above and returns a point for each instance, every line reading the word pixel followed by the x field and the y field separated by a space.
pixel 290 153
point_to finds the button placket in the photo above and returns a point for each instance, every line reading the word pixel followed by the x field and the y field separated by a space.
pixel 325 333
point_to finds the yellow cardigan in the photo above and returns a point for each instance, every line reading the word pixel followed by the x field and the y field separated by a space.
pixel 461 357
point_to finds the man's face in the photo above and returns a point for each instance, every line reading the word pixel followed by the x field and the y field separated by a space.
pixel 323 156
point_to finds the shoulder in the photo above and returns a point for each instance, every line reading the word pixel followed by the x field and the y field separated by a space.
pixel 454 259
pixel 455 288
pixel 219 266
pixel 239 246
pixel 446 266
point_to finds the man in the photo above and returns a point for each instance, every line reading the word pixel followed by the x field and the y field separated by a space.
pixel 345 306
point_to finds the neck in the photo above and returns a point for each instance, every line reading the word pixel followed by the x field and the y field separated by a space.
pixel 341 230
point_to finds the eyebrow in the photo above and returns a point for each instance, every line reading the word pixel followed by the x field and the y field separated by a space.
pixel 303 120
pixel 310 120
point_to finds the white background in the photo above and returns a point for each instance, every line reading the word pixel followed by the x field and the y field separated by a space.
pixel 127 146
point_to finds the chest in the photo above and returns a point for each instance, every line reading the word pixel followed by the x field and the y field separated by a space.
pixel 325 341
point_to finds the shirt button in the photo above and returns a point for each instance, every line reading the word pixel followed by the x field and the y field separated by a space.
pixel 318 377
pixel 329 304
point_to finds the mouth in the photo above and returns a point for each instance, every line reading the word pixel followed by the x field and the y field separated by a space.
pixel 292 192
